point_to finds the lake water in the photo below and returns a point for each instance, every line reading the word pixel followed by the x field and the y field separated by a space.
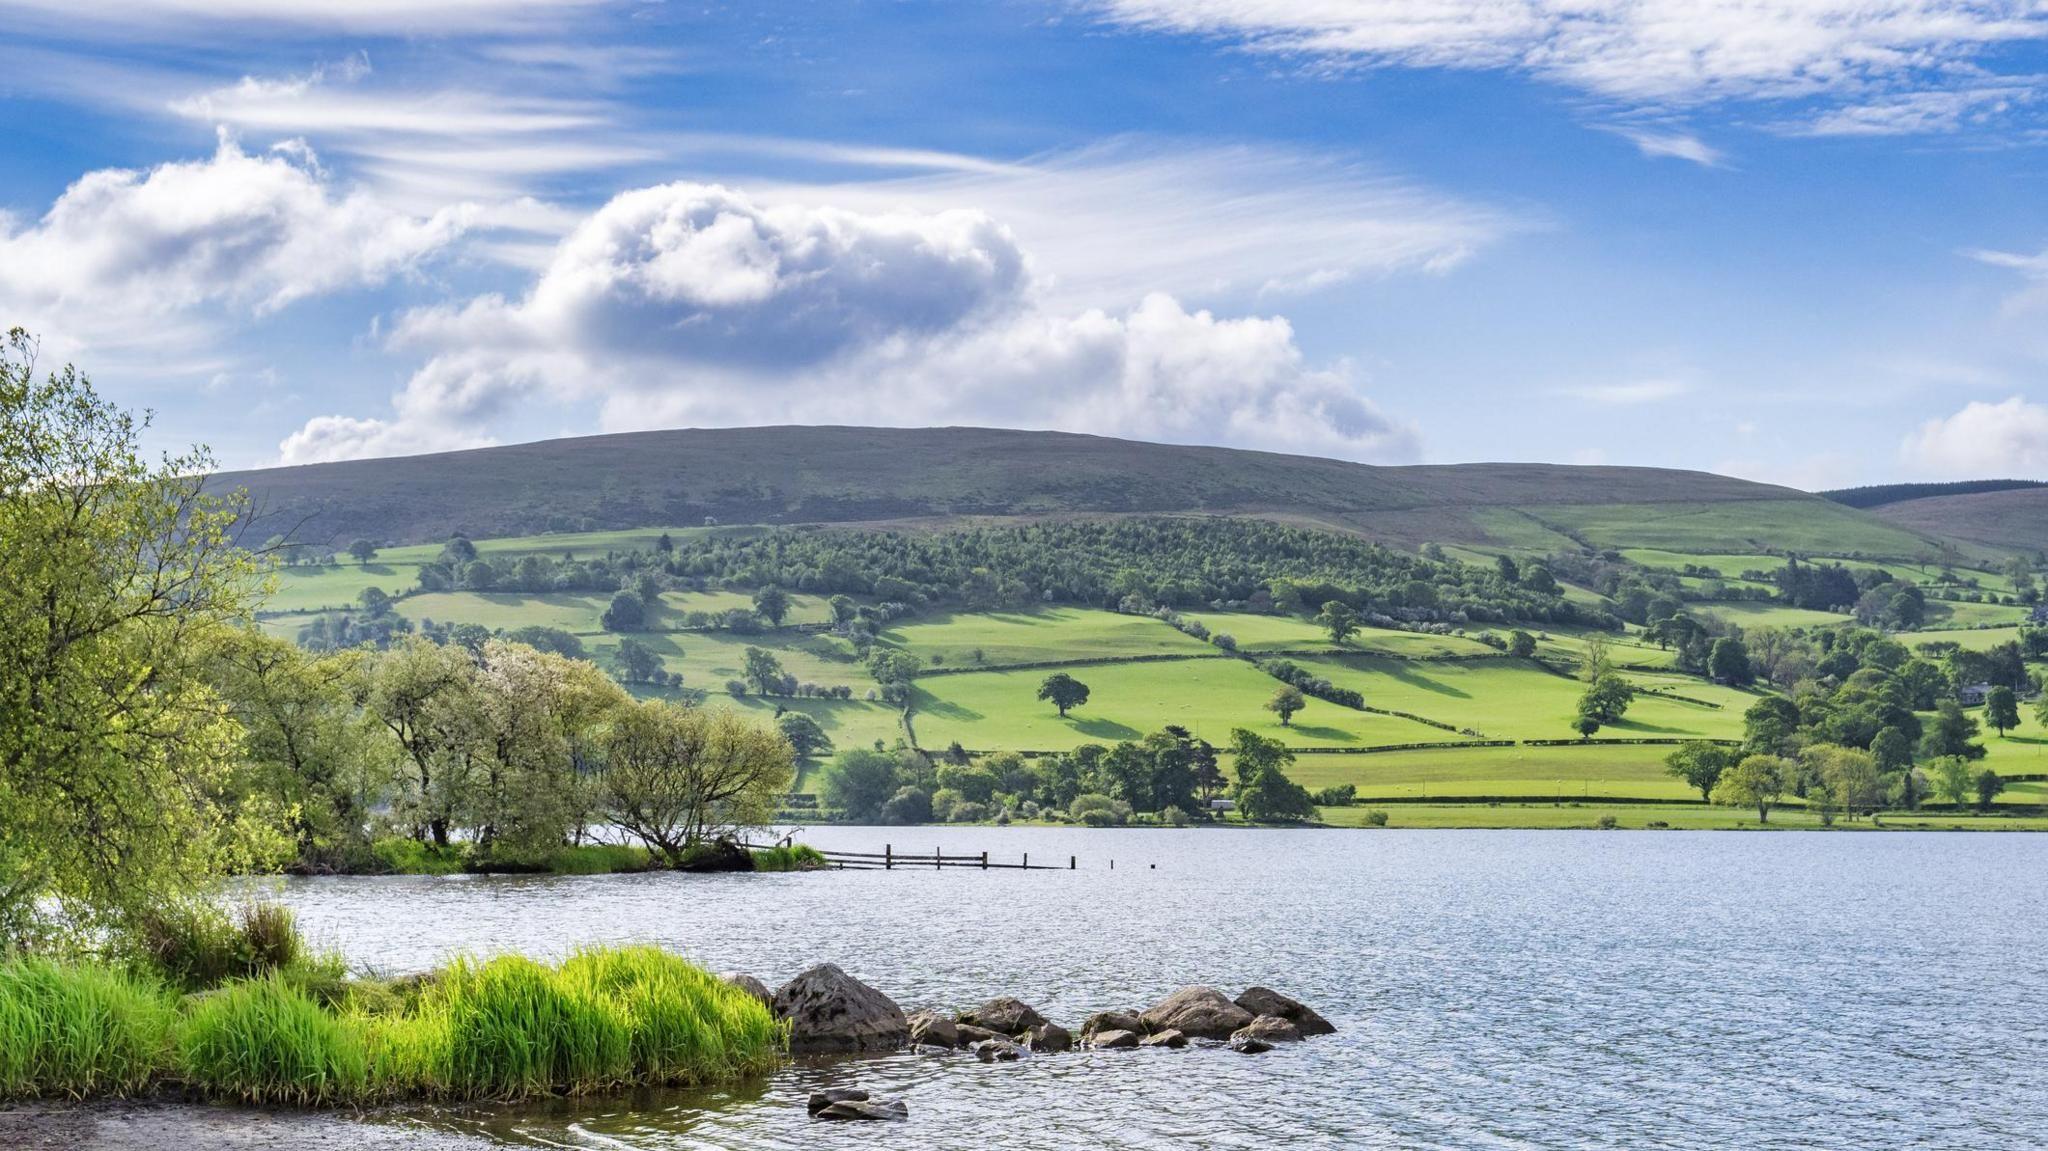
pixel 1492 989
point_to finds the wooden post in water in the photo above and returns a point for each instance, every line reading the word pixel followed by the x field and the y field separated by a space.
pixel 1070 863
pixel 888 857
pixel 1027 861
pixel 984 861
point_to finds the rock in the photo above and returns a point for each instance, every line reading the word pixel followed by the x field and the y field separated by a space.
pixel 934 1030
pixel 1250 1046
pixel 1266 1001
pixel 1166 1038
pixel 998 1050
pixel 1198 1013
pixel 971 1035
pixel 883 1109
pixel 751 986
pixel 830 1011
pixel 1111 1039
pixel 717 855
pixel 1047 1037
pixel 1111 1021
pixel 1004 1016
pixel 1268 1029
pixel 826 1098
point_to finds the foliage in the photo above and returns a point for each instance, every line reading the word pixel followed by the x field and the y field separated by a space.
pixel 1755 781
pixel 1989 785
pixel 265 1041
pixel 1064 691
pixel 79 1031
pixel 1700 765
pixel 2001 709
pixel 195 944
pixel 805 737
pixel 1286 702
pixel 1264 793
pixel 675 777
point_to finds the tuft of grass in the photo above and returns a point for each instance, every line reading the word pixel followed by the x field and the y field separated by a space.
pixel 79 1031
pixel 801 857
pixel 196 944
pixel 266 1041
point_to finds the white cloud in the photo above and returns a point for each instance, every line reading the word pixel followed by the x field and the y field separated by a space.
pixel 697 304
pixel 1658 144
pixel 1629 394
pixel 236 232
pixel 1983 441
pixel 1634 51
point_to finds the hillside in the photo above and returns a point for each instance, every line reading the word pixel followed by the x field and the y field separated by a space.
pixel 843 474
pixel 2013 519
pixel 1878 495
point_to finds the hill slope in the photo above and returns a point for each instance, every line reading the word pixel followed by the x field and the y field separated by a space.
pixel 842 474
pixel 2014 519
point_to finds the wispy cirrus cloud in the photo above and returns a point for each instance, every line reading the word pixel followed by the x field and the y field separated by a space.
pixel 1630 394
pixel 1659 143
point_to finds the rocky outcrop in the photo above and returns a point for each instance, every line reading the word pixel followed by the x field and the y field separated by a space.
pixel 1111 1021
pixel 1198 1013
pixel 830 1012
pixel 1111 1039
pixel 851 1103
pixel 1047 1037
pixel 1167 1038
pixel 1268 1029
pixel 751 986
pixel 998 1051
pixel 931 1029
pixel 1266 1001
pixel 1004 1016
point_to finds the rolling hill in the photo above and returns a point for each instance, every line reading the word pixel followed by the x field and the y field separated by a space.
pixel 791 475
pixel 2014 519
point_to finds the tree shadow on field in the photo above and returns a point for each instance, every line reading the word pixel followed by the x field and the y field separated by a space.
pixel 947 709
pixel 1100 728
pixel 1650 728
pixel 1329 734
pixel 1404 673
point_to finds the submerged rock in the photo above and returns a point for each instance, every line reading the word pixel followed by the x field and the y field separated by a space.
pixel 1004 1016
pixel 1268 1029
pixel 932 1029
pixel 1266 1001
pixel 751 986
pixel 998 1051
pixel 1166 1038
pixel 1047 1037
pixel 1250 1046
pixel 856 1109
pixel 1109 1039
pixel 826 1098
pixel 830 1011
pixel 1198 1013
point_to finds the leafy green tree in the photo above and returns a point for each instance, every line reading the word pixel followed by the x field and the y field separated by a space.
pixel 762 671
pixel 1338 618
pixel 772 603
pixel 458 552
pixel 1521 644
pixel 118 579
pixel 1755 781
pixel 858 782
pixel 1604 703
pixel 1989 785
pixel 637 663
pixel 1951 734
pixel 1063 691
pixel 909 805
pixel 363 550
pixel 1953 780
pixel 1286 702
pixel 1264 793
pixel 676 776
pixel 804 734
pixel 2002 710
pixel 974 782
pixel 628 612
pixel 1700 765
pixel 1893 750
pixel 554 639
pixel 423 694
pixel 1729 662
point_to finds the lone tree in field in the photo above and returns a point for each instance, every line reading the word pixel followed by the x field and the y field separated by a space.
pixel 2002 710
pixel 363 550
pixel 1756 782
pixel 1989 784
pixel 1064 691
pixel 626 613
pixel 762 671
pixel 1603 704
pixel 1286 702
pixel 1521 644
pixel 1339 620
pixel 772 604
pixel 1700 765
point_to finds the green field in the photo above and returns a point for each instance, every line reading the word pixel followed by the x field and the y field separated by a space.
pixel 1632 816
pixel 707 659
pixel 1975 639
pixel 1046 635
pixel 1965 615
pixel 1604 771
pixel 309 588
pixel 1760 614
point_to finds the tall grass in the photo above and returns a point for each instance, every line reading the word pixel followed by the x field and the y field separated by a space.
pixel 197 944
pixel 79 1031
pixel 800 857
pixel 266 1041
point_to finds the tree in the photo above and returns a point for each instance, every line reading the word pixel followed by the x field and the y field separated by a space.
pixel 1603 704
pixel 363 550
pixel 1729 662
pixel 1594 661
pixel 1989 785
pixel 552 639
pixel 1063 691
pixel 458 551
pixel 1756 781
pixel 118 579
pixel 762 671
pixel 2002 710
pixel 772 603
pixel 637 662
pixel 422 693
pixel 1286 702
pixel 628 612
pixel 535 716
pixel 1951 734
pixel 1264 792
pixel 1338 618
pixel 858 782
pixel 805 737
pixel 1953 780
pixel 678 776
pixel 1700 765
pixel 1521 644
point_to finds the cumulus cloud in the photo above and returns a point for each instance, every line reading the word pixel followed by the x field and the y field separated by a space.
pixel 1637 51
pixel 698 304
pixel 1983 441
pixel 237 231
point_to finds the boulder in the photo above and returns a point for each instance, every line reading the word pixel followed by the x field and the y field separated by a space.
pixel 1047 1037
pixel 998 1050
pixel 1268 1029
pixel 1111 1039
pixel 971 1035
pixel 826 1098
pixel 1166 1038
pixel 1250 1046
pixel 1198 1013
pixel 882 1109
pixel 1004 1016
pixel 1111 1021
pixel 1266 1001
pixel 933 1030
pixel 751 986
pixel 829 1011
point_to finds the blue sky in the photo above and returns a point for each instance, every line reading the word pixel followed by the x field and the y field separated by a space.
pixel 1803 241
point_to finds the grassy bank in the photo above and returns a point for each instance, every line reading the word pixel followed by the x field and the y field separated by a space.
pixel 1638 816
pixel 505 1028
pixel 410 857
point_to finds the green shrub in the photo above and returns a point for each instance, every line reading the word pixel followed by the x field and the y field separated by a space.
pixel 266 1041
pixel 1375 818
pixel 401 856
pixel 79 1031
pixel 801 857
pixel 196 944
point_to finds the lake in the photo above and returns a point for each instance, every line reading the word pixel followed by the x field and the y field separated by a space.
pixel 1492 989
